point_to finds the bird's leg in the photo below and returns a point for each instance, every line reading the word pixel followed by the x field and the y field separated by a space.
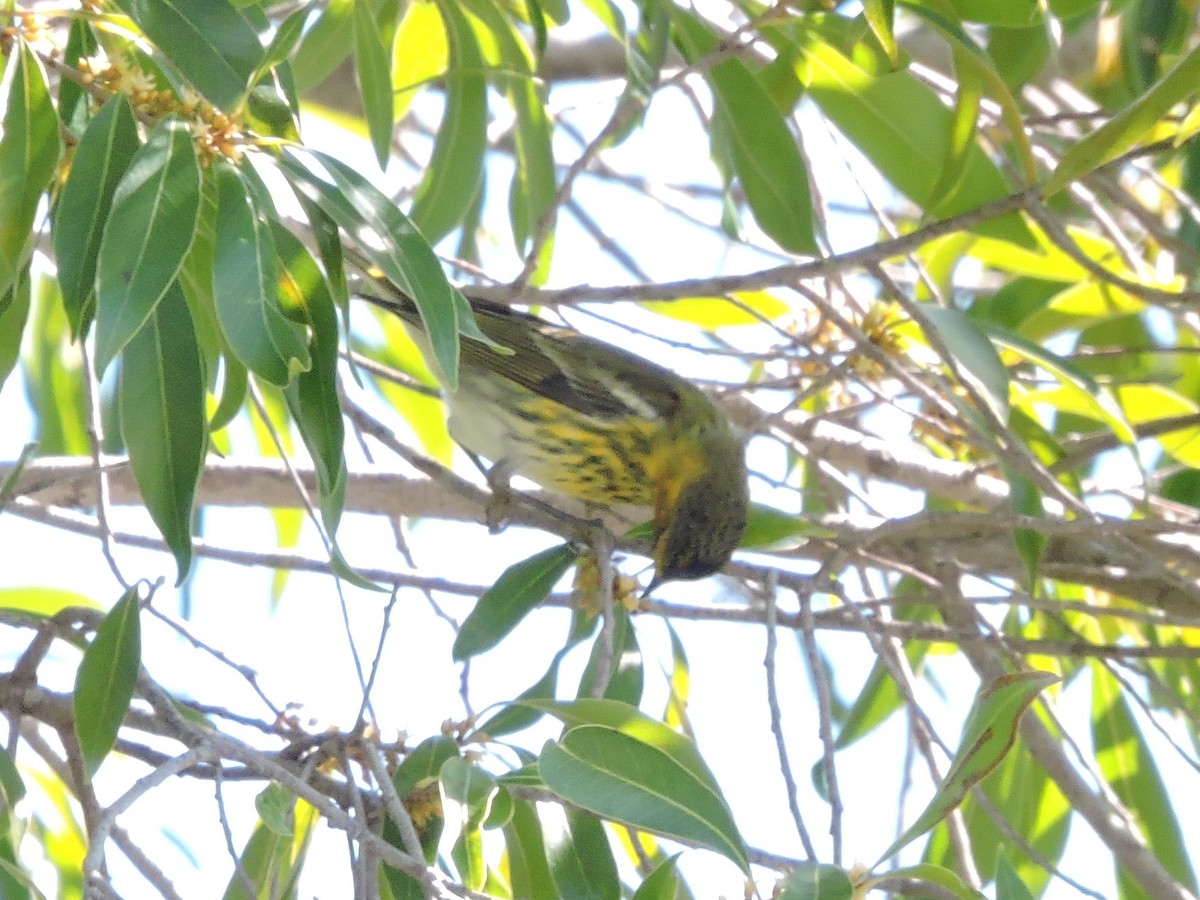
pixel 500 501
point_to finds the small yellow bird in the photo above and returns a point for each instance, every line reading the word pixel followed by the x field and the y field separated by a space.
pixel 592 421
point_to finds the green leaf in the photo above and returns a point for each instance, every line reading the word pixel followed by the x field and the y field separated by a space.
pixel 211 43
pixel 619 777
pixel 816 881
pixel 286 37
pixel 1130 125
pixel 527 865
pixel 274 807
pixel 420 54
pixel 374 71
pixel 1026 500
pixel 909 150
pixel 245 285
pixel 81 44
pixel 389 239
pixel 879 15
pixel 1010 12
pixel 105 680
pixel 454 175
pixel 764 151
pixel 626 679
pixel 581 859
pixel 520 588
pixel 54 382
pixel 323 47
pixel 163 421
pixel 1008 884
pixel 625 718
pixel 1080 392
pixel 28 157
pixel 466 783
pixel 976 66
pixel 100 161
pixel 313 397
pixel 974 354
pixel 531 197
pixel 148 233
pixel 662 883
pixel 988 735
pixel 947 879
pixel 767 526
pixel 14 313
pixel 273 861
pixel 425 762
pixel 416 781
pixel 1032 806
pixel 1128 765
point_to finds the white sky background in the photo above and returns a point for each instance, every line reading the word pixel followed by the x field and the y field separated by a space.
pixel 300 648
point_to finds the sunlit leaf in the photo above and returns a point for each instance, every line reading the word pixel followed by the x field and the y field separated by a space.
pixel 988 735
pixel 1130 125
pixel 455 171
pixel 909 150
pixel 375 81
pixel 1130 769
pixel 710 313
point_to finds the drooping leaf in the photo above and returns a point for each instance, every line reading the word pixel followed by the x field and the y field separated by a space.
pixel 617 776
pixel 974 354
pixel 163 422
pixel 1130 125
pixel 1130 768
pixel 909 150
pixel 211 43
pixel 520 588
pixel 581 859
pixel 455 172
pixel 149 230
pixel 534 185
pixel 105 680
pixel 527 865
pixel 313 396
pixel 14 313
pixel 374 72
pixel 100 161
pixel 389 239
pixel 245 285
pixel 764 151
pixel 988 735
pixel 28 157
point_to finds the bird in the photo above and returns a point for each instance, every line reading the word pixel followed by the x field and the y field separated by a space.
pixel 586 419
